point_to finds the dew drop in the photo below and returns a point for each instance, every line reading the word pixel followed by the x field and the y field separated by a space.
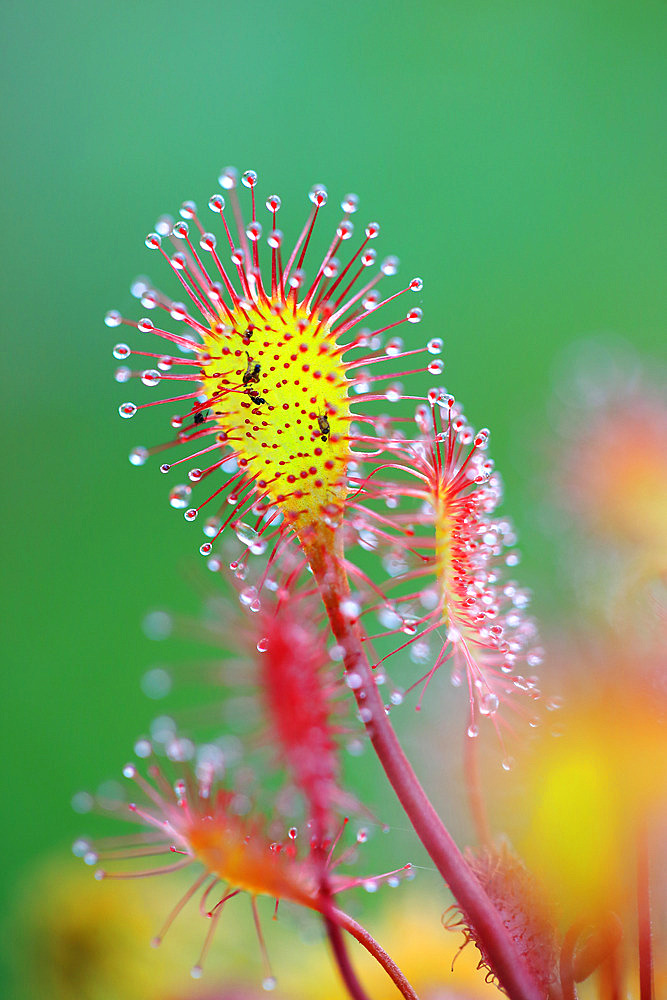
pixel 488 703
pixel 80 848
pixel 143 748
pixel 122 374
pixel 263 644
pixel 150 377
pixel 472 731
pixel 508 763
pixel 121 352
pixel 205 548
pixel 435 345
pixel 247 535
pixel 318 195
pixel 211 527
pixel 248 595
pixel 191 514
pixel 113 318
pixel 188 210
pixel 156 683
pixel 153 241
pixel 350 609
pixel 393 392
pixel 196 971
pixel 216 203
pixel 353 681
pixel 82 802
pixel 269 983
pixel 127 410
pixel 180 496
pixel 228 178
pixel 350 203
pixel 178 311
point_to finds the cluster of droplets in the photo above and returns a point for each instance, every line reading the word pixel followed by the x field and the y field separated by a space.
pixel 179 819
pixel 229 309
pixel 446 596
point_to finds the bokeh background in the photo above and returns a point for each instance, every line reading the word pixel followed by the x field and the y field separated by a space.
pixel 514 154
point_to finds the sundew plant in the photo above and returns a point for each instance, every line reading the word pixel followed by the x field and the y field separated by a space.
pixel 368 560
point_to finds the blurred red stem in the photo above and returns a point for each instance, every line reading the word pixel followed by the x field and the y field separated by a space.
pixel 378 953
pixel 566 965
pixel 325 558
pixel 342 959
pixel 646 986
pixel 474 789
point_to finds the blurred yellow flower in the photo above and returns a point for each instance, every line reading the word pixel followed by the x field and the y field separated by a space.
pixel 78 939
pixel 593 787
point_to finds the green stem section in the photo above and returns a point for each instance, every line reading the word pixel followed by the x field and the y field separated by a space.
pixel 326 562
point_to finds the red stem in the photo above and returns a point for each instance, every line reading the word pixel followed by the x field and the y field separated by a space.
pixel 514 977
pixel 371 946
pixel 342 959
pixel 646 988
pixel 474 787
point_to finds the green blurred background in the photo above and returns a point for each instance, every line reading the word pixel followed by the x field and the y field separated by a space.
pixel 514 155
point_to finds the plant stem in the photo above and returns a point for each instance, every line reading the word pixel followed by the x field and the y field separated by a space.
pixel 566 965
pixel 371 946
pixel 646 990
pixel 474 789
pixel 342 960
pixel 327 567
